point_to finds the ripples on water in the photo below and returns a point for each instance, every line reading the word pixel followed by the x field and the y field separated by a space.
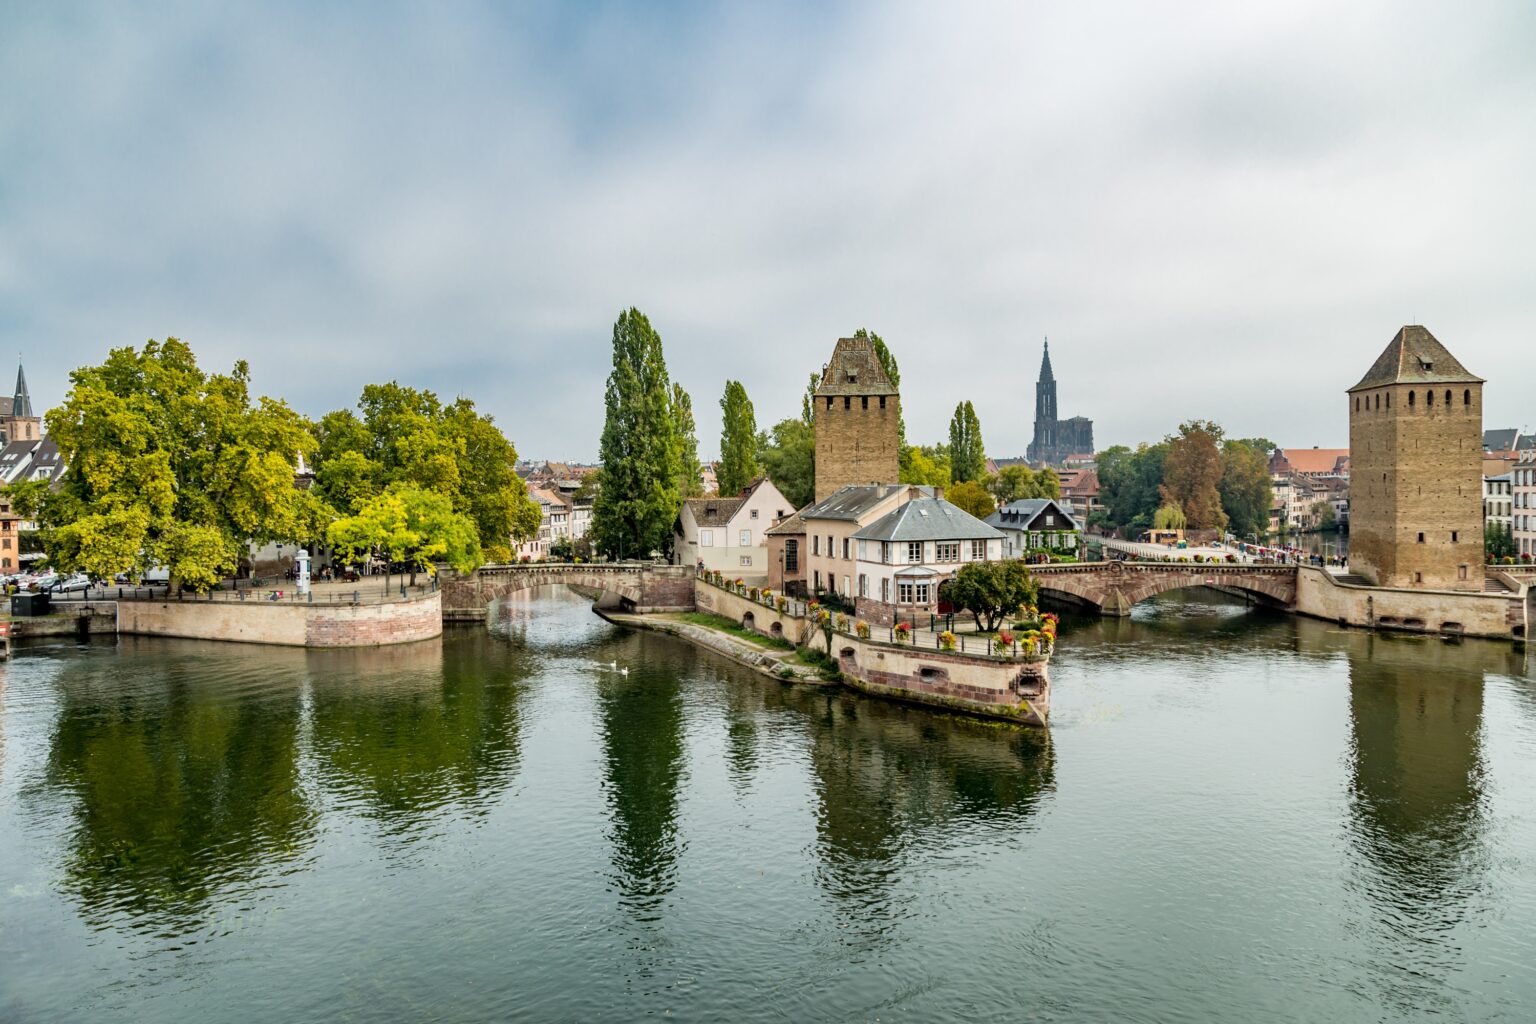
pixel 1235 816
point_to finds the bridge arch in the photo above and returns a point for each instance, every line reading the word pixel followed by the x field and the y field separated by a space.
pixel 1115 587
pixel 634 585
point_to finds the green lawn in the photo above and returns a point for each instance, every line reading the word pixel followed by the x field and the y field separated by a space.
pixel 721 624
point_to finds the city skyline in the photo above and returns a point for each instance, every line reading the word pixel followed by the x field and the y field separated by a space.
pixel 1211 213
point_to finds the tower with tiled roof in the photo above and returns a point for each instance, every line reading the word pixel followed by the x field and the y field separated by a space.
pixel 1415 451
pixel 857 416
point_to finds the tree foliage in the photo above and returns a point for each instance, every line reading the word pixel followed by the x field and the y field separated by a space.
pixel 690 481
pixel 1192 475
pixel 1170 517
pixel 401 435
pixel 638 496
pixel 411 524
pixel 1129 483
pixel 893 371
pixel 928 464
pixel 788 456
pixel 973 498
pixel 1324 517
pixel 992 590
pixel 967 454
pixel 738 441
pixel 169 465
pixel 1498 540
pixel 1015 483
pixel 1246 491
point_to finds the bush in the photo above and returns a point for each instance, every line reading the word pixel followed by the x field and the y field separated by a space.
pixel 946 641
pixel 862 628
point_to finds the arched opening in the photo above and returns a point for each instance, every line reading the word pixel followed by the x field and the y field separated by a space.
pixel 776 629
pixel 1429 397
pixel 1466 397
pixel 1378 400
pixel 1447 397
pixel 846 652
pixel 1410 399
pixel 749 621
pixel 1357 403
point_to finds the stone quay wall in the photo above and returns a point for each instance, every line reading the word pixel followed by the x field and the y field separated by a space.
pixel 287 624
pixel 998 687
pixel 1503 616
pixel 792 627
pixel 638 587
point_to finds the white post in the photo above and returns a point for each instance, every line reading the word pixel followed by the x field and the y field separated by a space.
pixel 301 563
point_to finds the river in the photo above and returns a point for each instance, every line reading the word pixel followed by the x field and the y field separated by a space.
pixel 1236 816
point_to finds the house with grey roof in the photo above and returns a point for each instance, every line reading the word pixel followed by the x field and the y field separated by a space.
pixel 828 550
pixel 1032 526
pixel 906 554
pixel 728 534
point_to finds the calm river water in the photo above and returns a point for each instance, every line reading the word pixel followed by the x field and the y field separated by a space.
pixel 1235 817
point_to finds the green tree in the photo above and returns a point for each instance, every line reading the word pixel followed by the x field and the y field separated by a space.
pixel 967 454
pixel 1169 517
pixel 1018 482
pixel 409 524
pixel 928 464
pixel 1245 487
pixel 1323 516
pixel 691 481
pixel 808 401
pixel 638 497
pixel 1498 541
pixel 169 465
pixel 1129 483
pixel 972 497
pixel 788 455
pixel 1192 475
pixel 992 590
pixel 738 441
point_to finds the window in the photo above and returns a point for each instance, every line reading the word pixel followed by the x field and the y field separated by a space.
pixel 1410 399
pixel 847 401
pixel 1466 397
pixel 754 513
pixel 1418 577
pixel 815 543
pixel 885 552
pixel 847 590
pixel 882 401
pixel 1421 538
pixel 1357 403
pixel 863 585
pixel 904 592
pixel 1447 396
pixel 744 538
pixel 791 556
pixel 1461 572
pixel 706 538
pixel 978 550
pixel 947 551
pixel 746 560
pixel 865 401
pixel 922 593
pixel 845 548
pixel 831 549
pixel 914 551
pixel 816 580
pixel 1429 397
pixel 885 591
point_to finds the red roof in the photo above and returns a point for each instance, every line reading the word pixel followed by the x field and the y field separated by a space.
pixel 1315 461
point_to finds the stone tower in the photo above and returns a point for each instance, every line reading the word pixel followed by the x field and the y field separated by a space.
pixel 18 423
pixel 1044 447
pixel 857 416
pixel 1415 468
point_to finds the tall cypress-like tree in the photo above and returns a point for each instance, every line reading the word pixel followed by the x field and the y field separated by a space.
pixel 888 364
pixel 638 497
pixel 967 454
pixel 690 480
pixel 738 440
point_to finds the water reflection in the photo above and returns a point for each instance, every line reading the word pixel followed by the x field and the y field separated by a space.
pixel 1417 807
pixel 399 733
pixel 183 785
pixel 891 780
pixel 640 721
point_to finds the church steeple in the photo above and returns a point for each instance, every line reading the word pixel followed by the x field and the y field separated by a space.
pixel 1045 364
pixel 21 405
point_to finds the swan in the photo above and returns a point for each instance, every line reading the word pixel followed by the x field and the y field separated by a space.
pixel 624 671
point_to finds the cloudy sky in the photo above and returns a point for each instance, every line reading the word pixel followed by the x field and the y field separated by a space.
pixel 1219 210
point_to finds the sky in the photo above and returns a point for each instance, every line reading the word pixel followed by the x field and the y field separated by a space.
pixel 1212 210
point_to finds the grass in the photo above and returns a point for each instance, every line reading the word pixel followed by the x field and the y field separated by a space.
pixel 721 624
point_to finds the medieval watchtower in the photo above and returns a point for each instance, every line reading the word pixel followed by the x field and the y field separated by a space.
pixel 857 416
pixel 1415 454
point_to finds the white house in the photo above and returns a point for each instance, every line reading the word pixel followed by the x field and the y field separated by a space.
pixel 726 534
pixel 907 553
pixel 1034 524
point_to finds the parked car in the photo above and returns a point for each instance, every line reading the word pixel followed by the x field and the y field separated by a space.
pixel 78 582
pixel 42 581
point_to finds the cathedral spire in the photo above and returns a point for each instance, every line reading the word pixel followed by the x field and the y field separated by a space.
pixel 21 405
pixel 1045 363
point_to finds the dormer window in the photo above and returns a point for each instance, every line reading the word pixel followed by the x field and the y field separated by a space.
pixel 1426 365
pixel 853 378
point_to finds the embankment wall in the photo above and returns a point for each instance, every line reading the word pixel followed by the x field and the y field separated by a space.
pixel 1321 596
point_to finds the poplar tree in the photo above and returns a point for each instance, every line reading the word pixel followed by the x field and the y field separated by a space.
pixel 967 455
pixel 738 441
pixel 690 480
pixel 638 495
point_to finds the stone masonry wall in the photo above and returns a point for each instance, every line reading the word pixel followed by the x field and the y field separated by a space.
pixel 856 441
pixel 1319 595
pixel 290 625
pixel 1416 471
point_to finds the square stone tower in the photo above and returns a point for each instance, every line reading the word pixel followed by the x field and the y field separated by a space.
pixel 857 415
pixel 1415 469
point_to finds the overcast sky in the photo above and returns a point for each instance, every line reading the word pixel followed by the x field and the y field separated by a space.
pixel 1212 210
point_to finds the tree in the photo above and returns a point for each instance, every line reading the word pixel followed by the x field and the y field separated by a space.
pixel 1246 491
pixel 405 435
pixel 638 497
pixel 992 590
pixel 788 456
pixel 808 401
pixel 1129 484
pixel 410 524
pixel 1498 541
pixel 973 498
pixel 1192 475
pixel 927 465
pixel 967 455
pixel 1169 517
pixel 690 482
pixel 738 441
pixel 1018 482
pixel 169 466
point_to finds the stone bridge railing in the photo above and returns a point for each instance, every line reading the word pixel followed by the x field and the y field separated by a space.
pixel 637 586
pixel 1114 587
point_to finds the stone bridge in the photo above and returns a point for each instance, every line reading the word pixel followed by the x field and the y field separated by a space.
pixel 634 586
pixel 1113 587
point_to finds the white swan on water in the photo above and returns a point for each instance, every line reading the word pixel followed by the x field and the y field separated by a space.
pixel 624 671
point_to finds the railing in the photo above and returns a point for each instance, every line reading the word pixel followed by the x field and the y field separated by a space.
pixel 977 647
pixel 793 607
pixel 330 594
pixel 1241 568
